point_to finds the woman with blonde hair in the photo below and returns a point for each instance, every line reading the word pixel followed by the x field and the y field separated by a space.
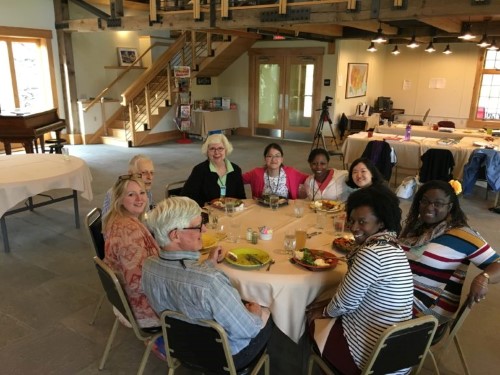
pixel 216 177
pixel 128 243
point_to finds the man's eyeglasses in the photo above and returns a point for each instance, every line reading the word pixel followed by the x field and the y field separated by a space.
pixel 198 227
pixel 438 205
pixel 125 177
pixel 273 156
pixel 218 149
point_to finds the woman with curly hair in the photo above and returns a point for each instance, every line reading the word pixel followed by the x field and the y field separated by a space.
pixel 375 293
pixel 440 245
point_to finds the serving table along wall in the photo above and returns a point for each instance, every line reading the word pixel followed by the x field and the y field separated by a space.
pixel 24 176
pixel 409 152
pixel 426 131
pixel 207 121
pixel 286 289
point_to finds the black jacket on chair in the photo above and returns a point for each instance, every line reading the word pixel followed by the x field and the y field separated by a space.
pixel 437 164
pixel 379 152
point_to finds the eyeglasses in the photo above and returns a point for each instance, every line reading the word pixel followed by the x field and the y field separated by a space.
pixel 198 227
pixel 125 177
pixel 273 156
pixel 218 149
pixel 438 205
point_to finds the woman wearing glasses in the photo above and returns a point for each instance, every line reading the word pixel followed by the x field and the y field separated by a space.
pixel 274 177
pixel 128 243
pixel 440 245
pixel 216 177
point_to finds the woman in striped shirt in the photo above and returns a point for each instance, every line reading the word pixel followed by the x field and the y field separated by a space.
pixel 377 289
pixel 440 246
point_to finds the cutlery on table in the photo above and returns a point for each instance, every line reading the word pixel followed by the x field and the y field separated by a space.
pixel 309 235
pixel 271 262
pixel 254 259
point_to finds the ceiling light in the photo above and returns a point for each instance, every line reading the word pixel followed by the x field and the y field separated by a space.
pixel 395 51
pixel 430 48
pixel 467 33
pixel 493 46
pixel 447 50
pixel 371 47
pixel 483 43
pixel 413 43
pixel 379 38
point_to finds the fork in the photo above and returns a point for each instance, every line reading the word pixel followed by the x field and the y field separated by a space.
pixel 271 262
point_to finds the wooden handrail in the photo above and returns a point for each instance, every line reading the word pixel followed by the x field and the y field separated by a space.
pixel 121 75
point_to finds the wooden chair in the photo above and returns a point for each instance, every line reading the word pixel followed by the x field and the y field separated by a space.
pixel 116 296
pixel 202 347
pixel 400 346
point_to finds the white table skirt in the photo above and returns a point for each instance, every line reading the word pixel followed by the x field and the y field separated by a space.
pixel 26 175
pixel 286 289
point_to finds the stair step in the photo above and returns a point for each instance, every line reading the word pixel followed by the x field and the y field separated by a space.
pixel 114 141
pixel 116 133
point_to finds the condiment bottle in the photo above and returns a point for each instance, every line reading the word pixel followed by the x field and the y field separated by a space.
pixel 249 234
pixel 407 132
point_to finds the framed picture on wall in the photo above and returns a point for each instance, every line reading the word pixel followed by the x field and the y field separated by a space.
pixel 126 56
pixel 357 78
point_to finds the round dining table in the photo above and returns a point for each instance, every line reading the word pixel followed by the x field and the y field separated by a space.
pixel 286 288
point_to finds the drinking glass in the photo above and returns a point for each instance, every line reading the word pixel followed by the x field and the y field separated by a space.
pixel 298 208
pixel 65 153
pixel 289 242
pixel 320 219
pixel 338 224
pixel 229 204
pixel 300 238
pixel 234 229
pixel 274 202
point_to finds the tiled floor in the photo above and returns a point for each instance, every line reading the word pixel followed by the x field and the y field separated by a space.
pixel 49 288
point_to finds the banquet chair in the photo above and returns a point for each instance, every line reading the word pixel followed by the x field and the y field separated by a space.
pixel 402 345
pixel 174 188
pixel 437 164
pixel 454 326
pixel 446 124
pixel 203 347
pixel 93 223
pixel 116 296
pixel 382 156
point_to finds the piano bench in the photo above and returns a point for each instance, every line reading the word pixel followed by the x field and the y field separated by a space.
pixel 55 145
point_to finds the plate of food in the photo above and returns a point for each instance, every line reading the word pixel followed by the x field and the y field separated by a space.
pixel 264 201
pixel 247 257
pixel 327 205
pixel 315 260
pixel 220 203
pixel 343 244
pixel 208 241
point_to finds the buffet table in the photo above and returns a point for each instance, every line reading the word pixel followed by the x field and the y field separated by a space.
pixel 409 152
pixel 207 121
pixel 286 289
pixel 426 131
pixel 24 176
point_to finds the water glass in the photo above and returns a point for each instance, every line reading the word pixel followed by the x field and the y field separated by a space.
pixel 320 219
pixel 229 206
pixel 298 208
pixel 289 243
pixel 65 153
pixel 338 224
pixel 234 229
pixel 274 202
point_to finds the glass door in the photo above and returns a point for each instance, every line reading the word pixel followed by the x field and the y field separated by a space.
pixel 285 94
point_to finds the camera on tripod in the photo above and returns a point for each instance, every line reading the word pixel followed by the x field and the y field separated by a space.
pixel 326 103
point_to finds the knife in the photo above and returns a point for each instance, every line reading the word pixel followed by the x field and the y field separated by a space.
pixel 254 259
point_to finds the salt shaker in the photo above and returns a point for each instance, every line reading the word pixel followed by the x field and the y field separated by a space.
pixel 249 234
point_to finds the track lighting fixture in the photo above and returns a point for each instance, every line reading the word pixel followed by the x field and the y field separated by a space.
pixel 447 50
pixel 395 51
pixel 371 47
pixel 413 42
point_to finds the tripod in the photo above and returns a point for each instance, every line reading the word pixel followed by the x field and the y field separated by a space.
pixel 318 134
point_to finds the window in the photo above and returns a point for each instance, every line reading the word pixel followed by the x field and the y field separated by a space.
pixel 25 72
pixel 487 96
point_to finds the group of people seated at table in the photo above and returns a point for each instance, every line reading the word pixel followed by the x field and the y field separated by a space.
pixel 397 270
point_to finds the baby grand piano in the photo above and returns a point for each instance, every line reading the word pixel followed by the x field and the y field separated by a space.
pixel 26 129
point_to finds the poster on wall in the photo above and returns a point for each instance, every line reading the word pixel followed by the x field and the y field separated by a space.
pixel 357 78
pixel 182 71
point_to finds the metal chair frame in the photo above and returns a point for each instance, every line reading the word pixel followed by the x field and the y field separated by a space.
pixel 174 188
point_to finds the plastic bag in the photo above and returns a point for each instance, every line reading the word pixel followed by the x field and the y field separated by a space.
pixel 407 188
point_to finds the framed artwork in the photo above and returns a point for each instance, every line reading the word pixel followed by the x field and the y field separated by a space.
pixel 357 78
pixel 126 56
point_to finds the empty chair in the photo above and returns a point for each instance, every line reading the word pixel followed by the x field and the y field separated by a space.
pixel 446 124
pixel 174 188
pixel 116 296
pixel 202 347
pixel 490 160
pixel 400 346
pixel 93 223
pixel 437 164
pixel 454 326
pixel 382 156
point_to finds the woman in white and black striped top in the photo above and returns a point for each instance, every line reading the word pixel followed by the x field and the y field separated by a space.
pixel 377 290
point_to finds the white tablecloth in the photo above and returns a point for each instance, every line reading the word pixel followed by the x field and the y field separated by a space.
pixel 426 131
pixel 26 175
pixel 286 289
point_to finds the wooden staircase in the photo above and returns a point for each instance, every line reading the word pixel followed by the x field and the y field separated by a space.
pixel 152 96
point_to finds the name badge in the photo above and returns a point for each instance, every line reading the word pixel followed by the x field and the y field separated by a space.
pixel 222 191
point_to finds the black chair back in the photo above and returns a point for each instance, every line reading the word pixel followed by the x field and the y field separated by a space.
pixel 379 152
pixel 93 222
pixel 437 164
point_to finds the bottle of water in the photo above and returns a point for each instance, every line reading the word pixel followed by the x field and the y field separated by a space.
pixel 407 132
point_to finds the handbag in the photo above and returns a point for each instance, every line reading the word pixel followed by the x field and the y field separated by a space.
pixel 407 188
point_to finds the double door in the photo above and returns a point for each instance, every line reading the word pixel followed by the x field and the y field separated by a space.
pixel 286 92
